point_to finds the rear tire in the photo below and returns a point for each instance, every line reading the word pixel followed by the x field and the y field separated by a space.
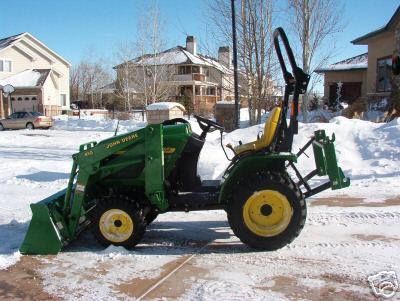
pixel 2 128
pixel 118 222
pixel 30 126
pixel 267 210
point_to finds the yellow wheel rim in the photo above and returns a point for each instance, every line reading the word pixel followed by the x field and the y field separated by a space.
pixel 116 225
pixel 267 213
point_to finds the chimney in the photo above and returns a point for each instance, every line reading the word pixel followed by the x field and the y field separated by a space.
pixel 224 56
pixel 191 44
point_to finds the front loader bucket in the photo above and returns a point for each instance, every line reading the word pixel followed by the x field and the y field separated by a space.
pixel 43 236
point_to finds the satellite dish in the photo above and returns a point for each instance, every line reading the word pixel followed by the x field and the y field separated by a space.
pixel 8 89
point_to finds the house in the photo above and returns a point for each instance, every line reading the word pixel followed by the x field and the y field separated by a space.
pixel 39 75
pixel 368 76
pixel 186 76
pixel 350 75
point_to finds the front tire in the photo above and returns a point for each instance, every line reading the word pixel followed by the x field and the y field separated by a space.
pixel 30 126
pixel 118 222
pixel 267 210
pixel 151 216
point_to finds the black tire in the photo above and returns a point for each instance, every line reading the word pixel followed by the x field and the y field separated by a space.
pixel 151 216
pixel 281 183
pixel 30 126
pixel 2 128
pixel 128 208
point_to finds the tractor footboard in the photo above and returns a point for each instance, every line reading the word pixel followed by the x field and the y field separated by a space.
pixel 326 165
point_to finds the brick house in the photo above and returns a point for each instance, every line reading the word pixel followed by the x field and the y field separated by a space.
pixel 39 75
pixel 367 76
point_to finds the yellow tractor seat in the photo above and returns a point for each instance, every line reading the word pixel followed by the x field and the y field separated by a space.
pixel 270 127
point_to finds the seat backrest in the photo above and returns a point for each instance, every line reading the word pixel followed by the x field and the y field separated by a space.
pixel 270 127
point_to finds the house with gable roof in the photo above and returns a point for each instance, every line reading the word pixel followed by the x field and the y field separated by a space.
pixel 39 75
pixel 368 76
pixel 187 74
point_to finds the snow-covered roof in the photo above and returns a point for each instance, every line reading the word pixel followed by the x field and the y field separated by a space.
pixel 354 63
pixel 27 78
pixel 179 55
pixel 109 88
pixel 164 106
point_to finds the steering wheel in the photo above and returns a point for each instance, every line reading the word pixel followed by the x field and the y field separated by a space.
pixel 205 125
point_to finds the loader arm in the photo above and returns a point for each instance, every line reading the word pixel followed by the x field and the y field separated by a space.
pixel 62 216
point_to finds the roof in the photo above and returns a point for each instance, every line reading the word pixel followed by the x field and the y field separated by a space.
pixel 358 62
pixel 109 88
pixel 27 78
pixel 164 106
pixel 380 30
pixel 178 55
pixel 9 41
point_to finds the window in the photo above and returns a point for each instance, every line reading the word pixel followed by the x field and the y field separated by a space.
pixel 184 70
pixel 5 66
pixel 197 90
pixel 63 100
pixel 19 98
pixel 27 98
pixel 384 74
pixel 210 90
pixel 195 69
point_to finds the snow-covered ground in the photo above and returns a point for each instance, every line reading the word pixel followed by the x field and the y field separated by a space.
pixel 349 235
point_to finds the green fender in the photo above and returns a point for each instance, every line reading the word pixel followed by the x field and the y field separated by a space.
pixel 249 165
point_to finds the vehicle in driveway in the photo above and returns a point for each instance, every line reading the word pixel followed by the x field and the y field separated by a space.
pixel 28 120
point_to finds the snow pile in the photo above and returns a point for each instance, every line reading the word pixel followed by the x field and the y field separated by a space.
pixel 369 153
pixel 96 124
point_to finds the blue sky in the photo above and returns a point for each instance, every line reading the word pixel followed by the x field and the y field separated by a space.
pixel 75 28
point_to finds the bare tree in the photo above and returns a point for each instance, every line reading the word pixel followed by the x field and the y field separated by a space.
pixel 86 79
pixel 144 72
pixel 125 88
pixel 315 23
pixel 257 63
pixel 156 69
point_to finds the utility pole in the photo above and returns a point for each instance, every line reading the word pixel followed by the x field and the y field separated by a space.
pixel 1 103
pixel 235 67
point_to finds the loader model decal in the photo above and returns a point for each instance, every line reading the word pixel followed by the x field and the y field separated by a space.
pixel 169 150
pixel 122 140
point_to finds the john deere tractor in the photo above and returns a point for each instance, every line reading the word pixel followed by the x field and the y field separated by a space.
pixel 118 186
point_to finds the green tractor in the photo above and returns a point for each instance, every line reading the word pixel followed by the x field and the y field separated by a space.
pixel 118 186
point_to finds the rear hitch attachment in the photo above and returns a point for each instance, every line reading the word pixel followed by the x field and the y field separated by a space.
pixel 325 162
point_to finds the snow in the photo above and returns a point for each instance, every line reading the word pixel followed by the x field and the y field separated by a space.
pixel 27 78
pixel 179 55
pixel 36 164
pixel 356 62
pixel 163 105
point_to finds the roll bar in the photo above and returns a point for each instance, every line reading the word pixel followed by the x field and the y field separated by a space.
pixel 296 84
